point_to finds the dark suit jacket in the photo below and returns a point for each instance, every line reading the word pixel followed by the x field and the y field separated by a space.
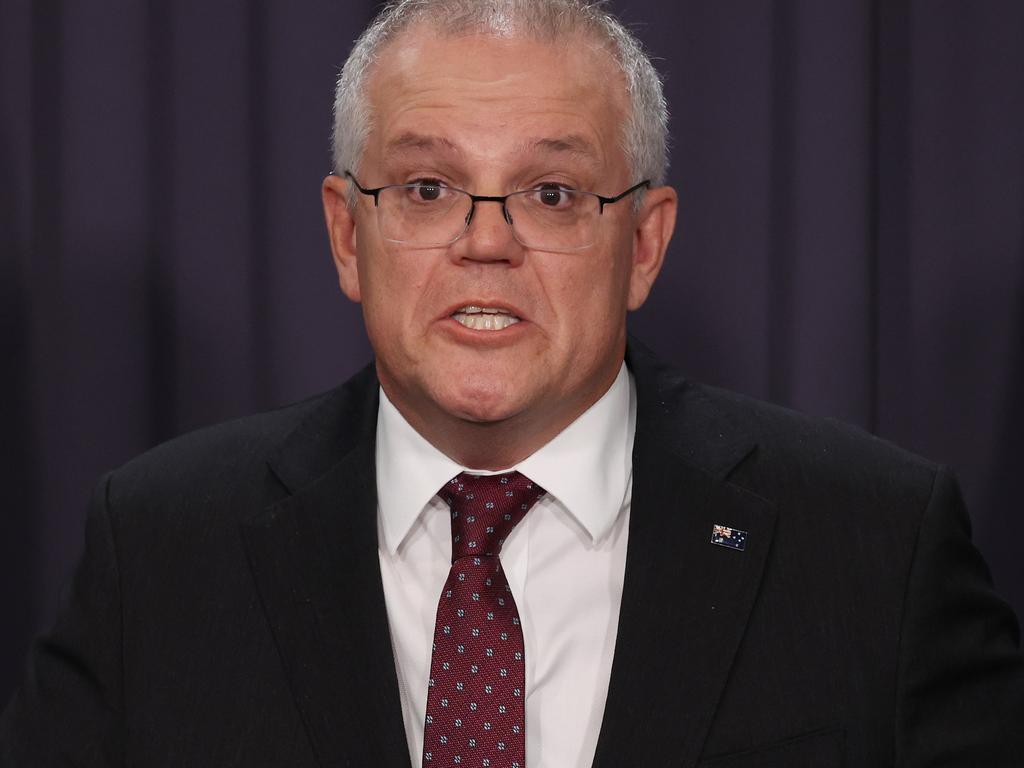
pixel 229 611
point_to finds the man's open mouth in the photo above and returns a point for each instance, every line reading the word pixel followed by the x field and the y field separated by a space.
pixel 484 318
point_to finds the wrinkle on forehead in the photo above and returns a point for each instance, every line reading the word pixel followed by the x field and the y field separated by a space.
pixel 573 145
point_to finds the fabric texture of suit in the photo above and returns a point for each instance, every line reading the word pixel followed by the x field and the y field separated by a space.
pixel 228 610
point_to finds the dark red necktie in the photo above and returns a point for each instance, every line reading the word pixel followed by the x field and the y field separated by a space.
pixel 476 712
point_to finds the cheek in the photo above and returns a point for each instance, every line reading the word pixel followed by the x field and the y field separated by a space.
pixel 607 280
pixel 377 283
pixel 589 300
pixel 397 294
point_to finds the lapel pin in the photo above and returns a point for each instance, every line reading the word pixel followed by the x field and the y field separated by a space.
pixel 724 536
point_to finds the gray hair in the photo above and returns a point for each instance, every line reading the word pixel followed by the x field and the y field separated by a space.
pixel 645 137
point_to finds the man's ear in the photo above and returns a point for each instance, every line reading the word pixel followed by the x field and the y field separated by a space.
pixel 341 230
pixel 654 225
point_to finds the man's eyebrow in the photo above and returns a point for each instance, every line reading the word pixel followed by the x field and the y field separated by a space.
pixel 572 144
pixel 421 142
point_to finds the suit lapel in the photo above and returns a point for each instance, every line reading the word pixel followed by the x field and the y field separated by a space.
pixel 685 601
pixel 315 563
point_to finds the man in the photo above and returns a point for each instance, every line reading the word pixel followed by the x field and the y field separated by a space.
pixel 502 545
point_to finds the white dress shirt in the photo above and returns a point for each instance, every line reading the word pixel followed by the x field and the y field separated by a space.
pixel 564 562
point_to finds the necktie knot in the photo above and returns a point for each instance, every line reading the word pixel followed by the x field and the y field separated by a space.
pixel 485 509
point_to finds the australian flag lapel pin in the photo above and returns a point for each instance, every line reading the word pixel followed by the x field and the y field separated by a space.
pixel 724 536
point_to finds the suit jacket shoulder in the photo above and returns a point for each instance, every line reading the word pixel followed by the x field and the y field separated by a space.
pixel 822 458
pixel 717 429
pixel 219 468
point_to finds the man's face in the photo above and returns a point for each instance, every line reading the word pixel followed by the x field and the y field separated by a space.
pixel 492 116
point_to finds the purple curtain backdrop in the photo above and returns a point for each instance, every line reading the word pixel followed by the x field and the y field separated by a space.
pixel 851 239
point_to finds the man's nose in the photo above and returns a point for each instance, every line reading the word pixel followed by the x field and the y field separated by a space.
pixel 489 236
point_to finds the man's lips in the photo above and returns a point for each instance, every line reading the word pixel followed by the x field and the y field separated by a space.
pixel 485 316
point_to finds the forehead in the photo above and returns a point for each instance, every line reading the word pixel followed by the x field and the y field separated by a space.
pixel 483 96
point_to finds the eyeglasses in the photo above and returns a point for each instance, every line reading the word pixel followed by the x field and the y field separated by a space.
pixel 430 214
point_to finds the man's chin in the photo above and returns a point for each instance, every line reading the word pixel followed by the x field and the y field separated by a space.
pixel 481 406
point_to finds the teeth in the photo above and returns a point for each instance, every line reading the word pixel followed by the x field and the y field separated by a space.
pixel 473 309
pixel 484 320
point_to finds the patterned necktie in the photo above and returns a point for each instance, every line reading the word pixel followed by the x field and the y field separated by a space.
pixel 476 712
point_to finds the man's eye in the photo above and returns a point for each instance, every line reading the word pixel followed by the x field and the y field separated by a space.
pixel 427 191
pixel 553 196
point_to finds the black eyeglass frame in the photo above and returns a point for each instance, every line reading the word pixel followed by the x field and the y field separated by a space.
pixel 474 199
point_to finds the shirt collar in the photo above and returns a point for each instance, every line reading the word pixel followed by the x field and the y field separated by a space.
pixel 587 467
